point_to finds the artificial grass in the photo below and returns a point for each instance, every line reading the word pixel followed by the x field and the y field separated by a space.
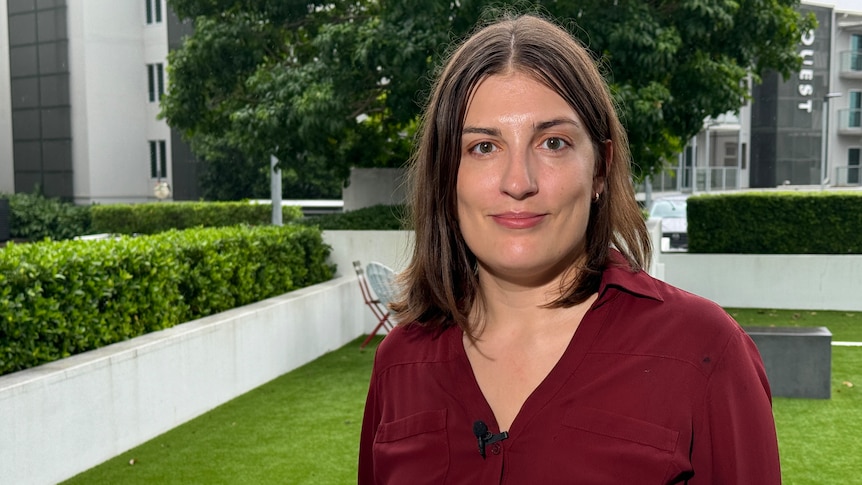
pixel 819 439
pixel 845 326
pixel 303 428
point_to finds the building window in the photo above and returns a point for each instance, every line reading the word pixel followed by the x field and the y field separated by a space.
pixel 158 159
pixel 855 112
pixel 730 153
pixel 856 52
pixel 154 11
pixel 156 78
pixel 853 165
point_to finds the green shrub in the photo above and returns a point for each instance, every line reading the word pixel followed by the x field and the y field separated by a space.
pixel 155 217
pixel 62 298
pixel 378 217
pixel 776 223
pixel 35 217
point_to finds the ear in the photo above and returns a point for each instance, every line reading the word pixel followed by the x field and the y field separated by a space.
pixel 604 167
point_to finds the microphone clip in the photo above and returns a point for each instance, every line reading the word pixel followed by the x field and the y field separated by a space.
pixel 485 437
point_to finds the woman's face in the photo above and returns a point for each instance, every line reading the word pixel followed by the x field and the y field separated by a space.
pixel 525 181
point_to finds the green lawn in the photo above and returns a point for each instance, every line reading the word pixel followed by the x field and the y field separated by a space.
pixel 303 428
pixel 845 326
pixel 820 439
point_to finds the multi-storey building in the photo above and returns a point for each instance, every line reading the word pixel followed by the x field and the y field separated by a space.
pixel 80 84
pixel 802 131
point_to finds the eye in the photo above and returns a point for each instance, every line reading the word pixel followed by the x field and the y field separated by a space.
pixel 483 148
pixel 554 143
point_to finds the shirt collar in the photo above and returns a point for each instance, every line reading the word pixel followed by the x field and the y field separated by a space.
pixel 618 274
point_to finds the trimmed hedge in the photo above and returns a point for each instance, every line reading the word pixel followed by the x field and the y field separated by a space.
pixel 375 218
pixel 35 217
pixel 776 223
pixel 155 217
pixel 62 298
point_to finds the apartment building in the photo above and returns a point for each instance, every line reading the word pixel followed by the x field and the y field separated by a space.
pixel 80 84
pixel 803 131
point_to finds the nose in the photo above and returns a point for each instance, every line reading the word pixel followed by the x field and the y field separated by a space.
pixel 518 179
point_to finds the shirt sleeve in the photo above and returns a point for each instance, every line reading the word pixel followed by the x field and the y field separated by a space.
pixel 370 421
pixel 735 441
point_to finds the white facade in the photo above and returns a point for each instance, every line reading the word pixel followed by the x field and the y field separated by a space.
pixel 7 178
pixel 845 114
pixel 102 65
pixel 110 46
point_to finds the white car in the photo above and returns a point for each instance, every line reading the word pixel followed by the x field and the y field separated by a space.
pixel 674 225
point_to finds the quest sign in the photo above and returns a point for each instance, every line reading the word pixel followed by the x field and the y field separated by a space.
pixel 806 74
pixel 801 96
pixel 787 115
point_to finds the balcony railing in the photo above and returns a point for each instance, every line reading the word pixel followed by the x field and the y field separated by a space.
pixel 714 178
pixel 850 121
pixel 705 179
pixel 848 176
pixel 851 64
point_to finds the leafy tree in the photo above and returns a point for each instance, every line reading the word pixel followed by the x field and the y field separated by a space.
pixel 327 86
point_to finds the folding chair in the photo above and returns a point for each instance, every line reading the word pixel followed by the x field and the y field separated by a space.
pixel 378 307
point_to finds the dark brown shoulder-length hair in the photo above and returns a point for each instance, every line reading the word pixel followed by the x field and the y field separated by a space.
pixel 440 284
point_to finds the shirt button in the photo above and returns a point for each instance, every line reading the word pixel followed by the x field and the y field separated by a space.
pixel 496 448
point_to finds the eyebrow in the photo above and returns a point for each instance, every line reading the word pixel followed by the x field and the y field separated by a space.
pixel 475 130
pixel 555 122
pixel 544 125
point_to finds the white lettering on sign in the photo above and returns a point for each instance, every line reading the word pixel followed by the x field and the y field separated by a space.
pixel 807 55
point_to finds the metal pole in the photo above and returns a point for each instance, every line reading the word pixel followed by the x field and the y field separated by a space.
pixel 708 154
pixel 275 190
pixel 647 191
pixel 823 138
pixel 823 143
pixel 739 155
pixel 694 164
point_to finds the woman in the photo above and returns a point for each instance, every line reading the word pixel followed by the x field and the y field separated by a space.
pixel 535 348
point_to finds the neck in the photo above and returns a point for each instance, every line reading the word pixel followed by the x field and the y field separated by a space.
pixel 517 305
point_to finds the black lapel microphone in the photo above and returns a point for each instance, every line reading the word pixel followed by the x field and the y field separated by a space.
pixel 485 437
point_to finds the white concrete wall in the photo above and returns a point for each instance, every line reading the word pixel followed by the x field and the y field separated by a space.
pixel 65 417
pixel 7 174
pixel 62 418
pixel 804 282
pixel 373 186
pixel 392 248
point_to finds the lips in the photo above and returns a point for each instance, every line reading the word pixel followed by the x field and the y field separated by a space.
pixel 518 220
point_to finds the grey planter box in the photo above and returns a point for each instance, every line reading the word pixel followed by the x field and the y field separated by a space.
pixel 798 360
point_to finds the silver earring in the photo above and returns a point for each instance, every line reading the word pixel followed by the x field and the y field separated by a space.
pixel 596 198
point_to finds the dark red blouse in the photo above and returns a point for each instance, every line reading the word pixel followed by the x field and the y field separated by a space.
pixel 657 386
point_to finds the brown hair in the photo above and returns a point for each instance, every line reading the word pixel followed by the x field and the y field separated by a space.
pixel 440 285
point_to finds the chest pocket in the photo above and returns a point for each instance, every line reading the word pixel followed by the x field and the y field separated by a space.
pixel 620 449
pixel 413 449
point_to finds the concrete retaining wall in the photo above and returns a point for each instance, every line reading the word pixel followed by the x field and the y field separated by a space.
pixel 65 417
pixel 803 282
pixel 62 418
